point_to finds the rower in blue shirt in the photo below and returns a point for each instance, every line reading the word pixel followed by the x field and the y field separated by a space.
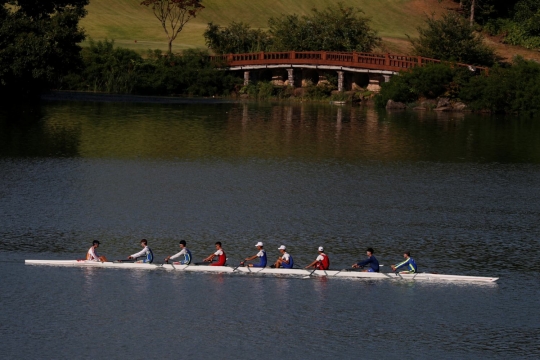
pixel 261 255
pixel 371 261
pixel 409 263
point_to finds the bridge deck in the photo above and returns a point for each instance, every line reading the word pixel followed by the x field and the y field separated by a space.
pixel 384 62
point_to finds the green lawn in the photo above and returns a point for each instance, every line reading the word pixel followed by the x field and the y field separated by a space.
pixel 134 26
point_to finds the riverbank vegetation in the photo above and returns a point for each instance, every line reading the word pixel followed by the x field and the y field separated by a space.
pixel 110 69
pixel 506 87
pixel 512 88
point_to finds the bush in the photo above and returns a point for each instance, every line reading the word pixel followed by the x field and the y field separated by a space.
pixel 107 69
pixel 512 89
pixel 116 70
pixel 430 81
pixel 451 38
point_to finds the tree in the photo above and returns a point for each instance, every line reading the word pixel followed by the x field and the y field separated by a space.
pixel 174 14
pixel 452 39
pixel 45 8
pixel 337 28
pixel 37 47
pixel 237 38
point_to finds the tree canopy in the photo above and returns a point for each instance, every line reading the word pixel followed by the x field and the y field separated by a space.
pixel 336 28
pixel 174 15
pixel 38 44
pixel 237 38
pixel 451 38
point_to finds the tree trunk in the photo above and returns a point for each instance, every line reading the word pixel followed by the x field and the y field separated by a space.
pixel 170 46
pixel 473 6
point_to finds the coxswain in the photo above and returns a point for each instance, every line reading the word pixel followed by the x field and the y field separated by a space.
pixel 222 258
pixel 92 255
pixel 322 262
pixel 285 260
pixel 409 263
pixel 183 251
pixel 146 252
pixel 261 255
pixel 371 261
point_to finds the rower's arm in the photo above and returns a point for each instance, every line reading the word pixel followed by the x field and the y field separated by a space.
pixel 177 255
pixel 401 264
pixel 312 264
pixel 139 254
pixel 251 258
pixel 365 262
pixel 210 258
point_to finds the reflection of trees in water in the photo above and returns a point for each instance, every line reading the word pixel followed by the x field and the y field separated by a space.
pixel 35 134
pixel 267 130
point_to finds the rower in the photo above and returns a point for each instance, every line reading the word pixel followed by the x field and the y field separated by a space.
pixel 322 262
pixel 183 251
pixel 261 255
pixel 92 255
pixel 371 260
pixel 285 260
pixel 409 263
pixel 222 258
pixel 146 252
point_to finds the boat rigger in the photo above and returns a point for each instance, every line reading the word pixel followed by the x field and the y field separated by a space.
pixel 345 274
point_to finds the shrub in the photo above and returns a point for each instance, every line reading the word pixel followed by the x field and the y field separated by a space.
pixel 430 81
pixel 108 69
pixel 512 89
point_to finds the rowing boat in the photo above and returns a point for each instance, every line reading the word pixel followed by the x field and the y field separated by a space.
pixel 265 271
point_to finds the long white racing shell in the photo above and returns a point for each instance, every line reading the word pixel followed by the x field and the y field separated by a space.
pixel 265 271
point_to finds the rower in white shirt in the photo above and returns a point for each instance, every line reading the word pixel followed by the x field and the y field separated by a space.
pixel 146 252
pixel 92 255
pixel 183 251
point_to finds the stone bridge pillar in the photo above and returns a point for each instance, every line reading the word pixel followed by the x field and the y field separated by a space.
pixel 340 80
pixel 246 78
pixel 290 76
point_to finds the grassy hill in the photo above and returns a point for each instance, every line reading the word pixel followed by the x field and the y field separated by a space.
pixel 134 26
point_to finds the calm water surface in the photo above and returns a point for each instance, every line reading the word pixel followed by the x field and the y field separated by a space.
pixel 462 192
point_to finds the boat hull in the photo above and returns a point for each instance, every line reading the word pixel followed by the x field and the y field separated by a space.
pixel 346 274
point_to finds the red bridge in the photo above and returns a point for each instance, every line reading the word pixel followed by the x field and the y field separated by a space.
pixel 314 64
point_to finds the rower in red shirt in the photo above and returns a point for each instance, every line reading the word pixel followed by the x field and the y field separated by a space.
pixel 222 258
pixel 322 262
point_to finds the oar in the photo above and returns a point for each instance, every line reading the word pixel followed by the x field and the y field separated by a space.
pixel 311 273
pixel 239 265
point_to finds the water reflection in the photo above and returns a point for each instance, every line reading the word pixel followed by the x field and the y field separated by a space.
pixel 266 130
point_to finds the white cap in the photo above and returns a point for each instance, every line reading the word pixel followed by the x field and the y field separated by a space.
pixel 321 248
pixel 259 244
pixel 282 247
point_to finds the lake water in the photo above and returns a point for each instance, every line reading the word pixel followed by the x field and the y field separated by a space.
pixel 460 191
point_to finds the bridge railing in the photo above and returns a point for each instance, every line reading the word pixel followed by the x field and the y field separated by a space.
pixel 389 62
